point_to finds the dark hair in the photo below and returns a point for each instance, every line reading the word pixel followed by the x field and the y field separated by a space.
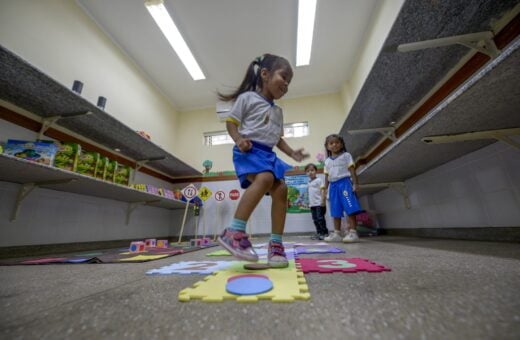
pixel 252 79
pixel 329 137
pixel 311 165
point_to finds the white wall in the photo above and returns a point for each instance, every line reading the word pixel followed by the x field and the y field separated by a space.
pixel 324 114
pixel 219 215
pixel 480 189
pixel 57 37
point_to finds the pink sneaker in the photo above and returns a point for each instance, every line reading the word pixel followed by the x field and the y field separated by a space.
pixel 276 255
pixel 237 243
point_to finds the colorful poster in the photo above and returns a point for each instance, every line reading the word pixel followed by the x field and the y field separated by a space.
pixel 297 194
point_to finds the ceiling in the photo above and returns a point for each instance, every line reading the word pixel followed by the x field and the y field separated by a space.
pixel 226 35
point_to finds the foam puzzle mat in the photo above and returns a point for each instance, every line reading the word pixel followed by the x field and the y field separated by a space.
pixel 317 250
pixel 344 265
pixel 192 267
pixel 288 285
pixel 118 255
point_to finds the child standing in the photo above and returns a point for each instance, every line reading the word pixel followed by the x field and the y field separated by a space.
pixel 341 174
pixel 317 201
pixel 255 123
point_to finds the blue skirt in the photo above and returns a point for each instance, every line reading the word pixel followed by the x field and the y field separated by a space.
pixel 260 158
pixel 343 199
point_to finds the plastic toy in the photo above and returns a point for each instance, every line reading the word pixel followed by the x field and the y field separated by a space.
pixel 137 247
pixel 150 242
pixel 163 244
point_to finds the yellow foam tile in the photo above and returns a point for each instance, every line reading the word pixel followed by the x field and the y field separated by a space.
pixel 144 258
pixel 288 285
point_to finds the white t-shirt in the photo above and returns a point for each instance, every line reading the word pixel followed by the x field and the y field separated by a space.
pixel 257 118
pixel 337 168
pixel 315 187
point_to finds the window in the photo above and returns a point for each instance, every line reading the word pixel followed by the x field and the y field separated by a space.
pixel 217 138
pixel 296 129
pixel 289 130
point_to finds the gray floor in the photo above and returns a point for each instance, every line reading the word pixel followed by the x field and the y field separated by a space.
pixel 437 289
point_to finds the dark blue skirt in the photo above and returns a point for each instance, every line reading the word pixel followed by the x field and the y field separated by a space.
pixel 260 158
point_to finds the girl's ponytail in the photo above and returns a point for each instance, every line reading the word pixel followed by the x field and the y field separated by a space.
pixel 249 83
pixel 252 80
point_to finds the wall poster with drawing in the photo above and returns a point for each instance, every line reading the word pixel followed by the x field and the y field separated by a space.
pixel 297 194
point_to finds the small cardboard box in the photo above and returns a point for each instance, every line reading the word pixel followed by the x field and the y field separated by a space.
pixel 122 174
pixel 87 163
pixel 110 172
pixel 101 167
pixel 151 242
pixel 40 152
pixel 67 156
pixel 163 244
pixel 137 247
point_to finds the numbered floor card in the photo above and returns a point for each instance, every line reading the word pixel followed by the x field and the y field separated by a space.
pixel 192 267
pixel 342 265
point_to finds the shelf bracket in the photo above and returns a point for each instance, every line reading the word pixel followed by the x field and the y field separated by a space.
pixel 27 188
pixel 49 122
pixel 140 163
pixel 482 42
pixel 387 132
pixel 133 205
pixel 46 124
pixel 399 186
pixel 502 135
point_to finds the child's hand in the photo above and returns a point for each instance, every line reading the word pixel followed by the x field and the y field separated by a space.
pixel 355 187
pixel 244 144
pixel 299 155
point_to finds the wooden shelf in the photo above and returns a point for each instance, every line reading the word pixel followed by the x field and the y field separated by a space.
pixel 29 88
pixel 21 171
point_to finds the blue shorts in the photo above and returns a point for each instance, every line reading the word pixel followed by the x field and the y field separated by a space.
pixel 260 158
pixel 342 199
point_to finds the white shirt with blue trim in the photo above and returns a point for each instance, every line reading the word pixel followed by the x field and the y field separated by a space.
pixel 337 168
pixel 257 118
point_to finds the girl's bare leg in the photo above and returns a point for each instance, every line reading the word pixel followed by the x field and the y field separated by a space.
pixel 278 194
pixel 337 224
pixel 260 184
pixel 352 223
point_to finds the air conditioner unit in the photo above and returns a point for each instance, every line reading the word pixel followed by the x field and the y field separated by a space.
pixel 223 109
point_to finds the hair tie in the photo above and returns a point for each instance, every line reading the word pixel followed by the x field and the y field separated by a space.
pixel 258 60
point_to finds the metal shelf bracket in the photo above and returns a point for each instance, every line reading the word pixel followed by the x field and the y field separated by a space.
pixel 387 132
pixel 502 135
pixel 482 42
pixel 140 163
pixel 49 122
pixel 27 188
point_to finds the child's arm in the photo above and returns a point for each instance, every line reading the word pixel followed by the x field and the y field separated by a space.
pixel 298 155
pixel 326 188
pixel 243 144
pixel 323 190
pixel 353 176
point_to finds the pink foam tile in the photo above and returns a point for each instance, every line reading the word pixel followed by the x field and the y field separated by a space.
pixel 343 265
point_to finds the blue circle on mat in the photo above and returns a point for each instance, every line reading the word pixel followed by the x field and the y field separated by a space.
pixel 249 285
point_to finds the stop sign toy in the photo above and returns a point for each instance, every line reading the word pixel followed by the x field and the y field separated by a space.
pixel 234 194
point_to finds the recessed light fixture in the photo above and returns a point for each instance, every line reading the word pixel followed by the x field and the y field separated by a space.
pixel 306 14
pixel 165 22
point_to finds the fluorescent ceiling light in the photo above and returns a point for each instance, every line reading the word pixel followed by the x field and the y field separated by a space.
pixel 164 21
pixel 306 14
